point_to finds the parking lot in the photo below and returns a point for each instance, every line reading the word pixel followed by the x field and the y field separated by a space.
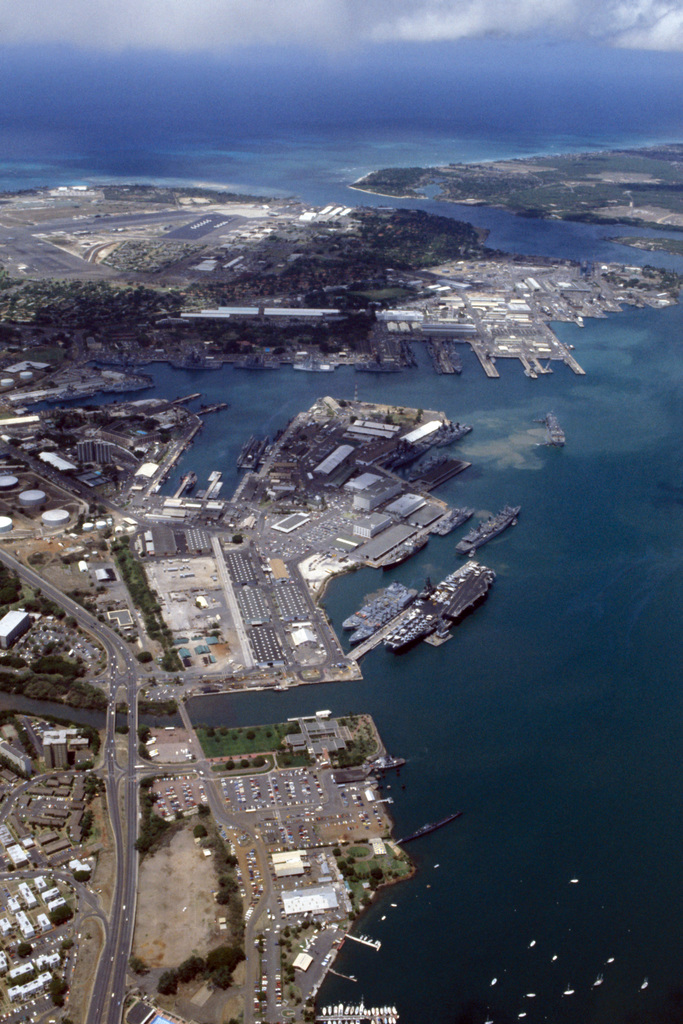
pixel 181 795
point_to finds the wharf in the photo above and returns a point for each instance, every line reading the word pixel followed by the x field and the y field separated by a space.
pixel 441 472
pixel 487 364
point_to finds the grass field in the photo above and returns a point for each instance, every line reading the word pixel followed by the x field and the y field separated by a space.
pixel 257 739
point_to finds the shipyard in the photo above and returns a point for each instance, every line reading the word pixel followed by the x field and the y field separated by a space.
pixel 177 553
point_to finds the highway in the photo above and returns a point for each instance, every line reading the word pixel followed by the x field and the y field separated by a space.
pixel 109 986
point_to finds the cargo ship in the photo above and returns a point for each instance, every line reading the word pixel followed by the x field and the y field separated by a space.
pixel 432 827
pixel 441 606
pixel 455 518
pixel 383 607
pixel 489 529
pixel 405 551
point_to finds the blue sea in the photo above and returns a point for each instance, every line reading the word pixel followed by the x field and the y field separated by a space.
pixel 554 716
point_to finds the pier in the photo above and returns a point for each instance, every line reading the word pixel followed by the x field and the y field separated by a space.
pixel 365 941
pixel 375 640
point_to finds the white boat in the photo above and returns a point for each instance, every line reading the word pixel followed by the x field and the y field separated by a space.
pixel 610 960
pixel 598 981
pixel 532 943
pixel 568 992
pixel 494 980
pixel 574 881
pixel 645 984
pixel 555 957
pixel 531 995
pixel 521 1015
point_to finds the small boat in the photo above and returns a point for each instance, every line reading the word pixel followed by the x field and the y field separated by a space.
pixel 493 982
pixel 645 984
pixel 568 992
pixel 437 865
pixel 598 981
pixel 574 881
pixel 521 1015
pixel 555 957
pixel 610 960
pixel 532 943
pixel 531 995
pixel 393 904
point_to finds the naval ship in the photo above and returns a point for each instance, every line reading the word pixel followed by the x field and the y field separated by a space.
pixel 489 529
pixel 377 612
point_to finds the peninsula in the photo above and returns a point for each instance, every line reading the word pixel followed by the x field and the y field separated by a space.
pixel 633 186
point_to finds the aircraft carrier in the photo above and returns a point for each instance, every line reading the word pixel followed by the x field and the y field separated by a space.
pixel 459 592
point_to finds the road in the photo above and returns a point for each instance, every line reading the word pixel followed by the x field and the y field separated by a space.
pixel 109 986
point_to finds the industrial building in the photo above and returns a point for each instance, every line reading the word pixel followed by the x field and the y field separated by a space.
pixel 13 625
pixel 310 901
pixel 376 494
pixel 371 525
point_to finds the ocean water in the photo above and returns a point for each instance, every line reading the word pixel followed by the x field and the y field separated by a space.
pixel 553 716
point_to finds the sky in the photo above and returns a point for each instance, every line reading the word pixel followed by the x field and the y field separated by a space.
pixel 221 25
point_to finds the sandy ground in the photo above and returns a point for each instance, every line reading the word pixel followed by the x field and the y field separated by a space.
pixel 176 912
pixel 88 955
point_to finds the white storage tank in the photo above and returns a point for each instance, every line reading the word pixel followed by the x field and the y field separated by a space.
pixel 5 524
pixel 55 517
pixel 30 499
pixel 7 482
pixel 6 382
pixel 87 527
pixel 101 524
pixel 26 375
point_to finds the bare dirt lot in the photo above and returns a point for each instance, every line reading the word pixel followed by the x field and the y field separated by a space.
pixel 176 913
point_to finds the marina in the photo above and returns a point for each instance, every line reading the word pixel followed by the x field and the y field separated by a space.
pixel 360 1014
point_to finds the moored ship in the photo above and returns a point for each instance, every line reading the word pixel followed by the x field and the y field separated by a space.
pixel 489 529
pixel 405 551
pixel 455 518
pixel 377 612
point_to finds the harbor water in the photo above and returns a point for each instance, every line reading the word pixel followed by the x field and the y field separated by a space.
pixel 553 717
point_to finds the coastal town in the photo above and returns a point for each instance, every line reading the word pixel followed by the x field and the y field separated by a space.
pixel 189 872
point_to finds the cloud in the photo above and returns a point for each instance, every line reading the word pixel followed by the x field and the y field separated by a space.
pixel 217 25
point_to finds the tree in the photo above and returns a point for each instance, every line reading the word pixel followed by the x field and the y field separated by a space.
pixel 60 915
pixel 199 832
pixel 137 965
pixel 144 657
pixel 24 949
pixel 168 983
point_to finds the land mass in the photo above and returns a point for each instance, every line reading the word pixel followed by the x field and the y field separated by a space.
pixel 643 187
